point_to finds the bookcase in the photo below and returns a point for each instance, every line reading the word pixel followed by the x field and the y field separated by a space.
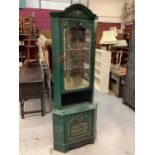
pixel 102 70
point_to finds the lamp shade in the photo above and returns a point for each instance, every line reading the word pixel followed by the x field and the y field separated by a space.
pixel 114 29
pixel 108 38
pixel 121 43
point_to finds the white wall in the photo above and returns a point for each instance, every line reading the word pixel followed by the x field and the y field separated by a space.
pixel 107 10
pixel 48 4
pixel 32 3
pixel 55 5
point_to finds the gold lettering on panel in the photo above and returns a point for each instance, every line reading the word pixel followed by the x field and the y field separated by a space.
pixel 79 126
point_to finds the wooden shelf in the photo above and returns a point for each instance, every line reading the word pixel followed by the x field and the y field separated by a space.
pixel 98 76
pixel 98 60
pixel 23 34
pixel 31 46
pixel 28 48
pixel 78 49
pixel 97 68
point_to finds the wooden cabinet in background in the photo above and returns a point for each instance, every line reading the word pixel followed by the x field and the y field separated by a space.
pixel 129 88
pixel 116 55
pixel 99 34
pixel 117 81
pixel 22 52
pixel 28 48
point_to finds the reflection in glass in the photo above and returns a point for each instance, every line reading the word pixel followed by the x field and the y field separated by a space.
pixel 77 56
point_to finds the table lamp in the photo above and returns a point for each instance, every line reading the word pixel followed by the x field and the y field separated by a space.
pixel 120 44
pixel 114 29
pixel 108 38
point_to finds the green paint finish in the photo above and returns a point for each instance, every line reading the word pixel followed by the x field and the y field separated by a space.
pixel 72 109
pixel 73 129
pixel 56 66
pixel 93 59
pixel 74 113
pixel 76 11
pixel 79 126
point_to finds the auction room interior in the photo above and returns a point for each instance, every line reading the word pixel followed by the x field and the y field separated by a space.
pixel 77 77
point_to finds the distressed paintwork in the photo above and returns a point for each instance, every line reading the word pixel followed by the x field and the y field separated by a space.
pixel 75 124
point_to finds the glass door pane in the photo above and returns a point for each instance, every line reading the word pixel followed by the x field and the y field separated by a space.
pixel 77 48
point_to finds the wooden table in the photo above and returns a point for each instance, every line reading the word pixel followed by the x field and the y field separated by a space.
pixel 31 86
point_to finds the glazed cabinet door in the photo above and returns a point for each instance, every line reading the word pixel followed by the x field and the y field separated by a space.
pixel 75 54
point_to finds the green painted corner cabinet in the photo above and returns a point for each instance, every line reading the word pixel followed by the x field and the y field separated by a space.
pixel 73 53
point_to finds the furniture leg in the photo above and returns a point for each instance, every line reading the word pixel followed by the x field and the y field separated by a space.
pixel 118 86
pixel 42 106
pixel 109 79
pixel 22 108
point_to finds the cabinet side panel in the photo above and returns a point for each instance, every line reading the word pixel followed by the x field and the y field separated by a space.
pixel 93 59
pixel 56 65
